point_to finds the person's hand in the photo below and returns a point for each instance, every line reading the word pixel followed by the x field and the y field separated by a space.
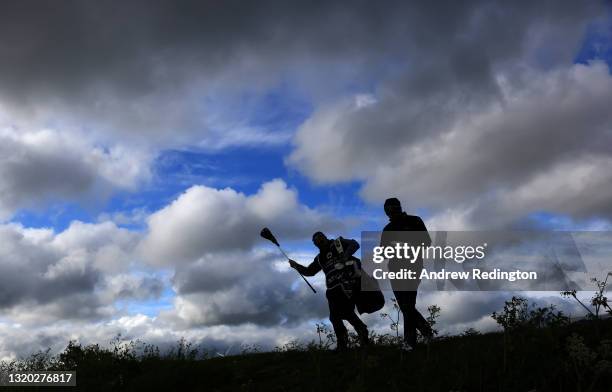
pixel 293 264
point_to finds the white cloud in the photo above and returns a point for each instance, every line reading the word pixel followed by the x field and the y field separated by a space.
pixel 460 310
pixel 78 273
pixel 16 341
pixel 206 220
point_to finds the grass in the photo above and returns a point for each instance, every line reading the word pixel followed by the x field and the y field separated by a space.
pixel 575 357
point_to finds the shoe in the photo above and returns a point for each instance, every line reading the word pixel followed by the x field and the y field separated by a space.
pixel 340 349
pixel 364 337
pixel 341 344
pixel 427 334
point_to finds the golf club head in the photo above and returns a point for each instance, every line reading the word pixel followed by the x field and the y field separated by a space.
pixel 267 234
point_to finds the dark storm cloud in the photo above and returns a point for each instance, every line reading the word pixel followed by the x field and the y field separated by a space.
pixel 67 46
pixel 139 60
pixel 482 123
pixel 145 66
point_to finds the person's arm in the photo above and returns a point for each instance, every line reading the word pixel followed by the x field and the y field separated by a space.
pixel 420 226
pixel 349 246
pixel 384 237
pixel 311 270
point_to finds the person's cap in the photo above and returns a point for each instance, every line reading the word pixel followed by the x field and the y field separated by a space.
pixel 392 202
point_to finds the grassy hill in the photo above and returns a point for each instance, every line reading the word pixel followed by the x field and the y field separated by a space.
pixel 576 357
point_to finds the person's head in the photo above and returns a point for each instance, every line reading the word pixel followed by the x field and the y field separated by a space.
pixel 393 207
pixel 320 240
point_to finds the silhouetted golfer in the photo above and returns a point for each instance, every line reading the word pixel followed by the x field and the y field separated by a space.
pixel 342 273
pixel 406 292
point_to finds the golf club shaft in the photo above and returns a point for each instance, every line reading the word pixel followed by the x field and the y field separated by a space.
pixel 283 252
pixel 305 280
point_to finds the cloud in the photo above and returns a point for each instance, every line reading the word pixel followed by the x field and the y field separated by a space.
pixel 243 288
pixel 528 141
pixel 211 238
pixel 459 312
pixel 81 273
pixel 133 286
pixel 206 220
pixel 19 341
pixel 46 165
pixel 156 73
pixel 33 270
pixel 164 75
pixel 75 274
pixel 445 76
pixel 541 144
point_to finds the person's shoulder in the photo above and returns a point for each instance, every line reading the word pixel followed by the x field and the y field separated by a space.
pixel 413 218
pixel 412 222
pixel 405 223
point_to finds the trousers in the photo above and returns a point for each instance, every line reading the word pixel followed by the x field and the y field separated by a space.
pixel 341 307
pixel 413 319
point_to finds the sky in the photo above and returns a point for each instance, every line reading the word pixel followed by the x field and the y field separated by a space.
pixel 144 144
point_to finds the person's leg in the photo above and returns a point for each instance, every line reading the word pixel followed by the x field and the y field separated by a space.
pixel 423 325
pixel 353 318
pixel 360 327
pixel 407 301
pixel 335 317
pixel 413 319
pixel 344 309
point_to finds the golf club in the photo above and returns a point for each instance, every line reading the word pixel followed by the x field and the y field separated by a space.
pixel 267 234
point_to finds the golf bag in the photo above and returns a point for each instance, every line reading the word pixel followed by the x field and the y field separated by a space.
pixel 371 300
pixel 366 291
